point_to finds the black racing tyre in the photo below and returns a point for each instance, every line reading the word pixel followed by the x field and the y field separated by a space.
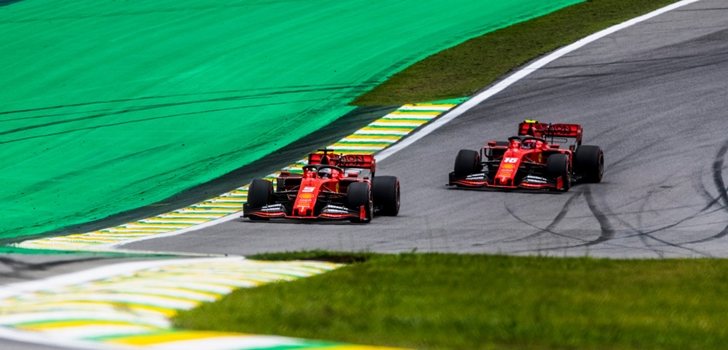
pixel 589 163
pixel 385 190
pixel 260 193
pixel 358 194
pixel 558 165
pixel 467 162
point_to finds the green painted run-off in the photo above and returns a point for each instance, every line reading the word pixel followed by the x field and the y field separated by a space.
pixel 107 106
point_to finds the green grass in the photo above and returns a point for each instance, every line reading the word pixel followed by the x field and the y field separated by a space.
pixel 438 301
pixel 467 68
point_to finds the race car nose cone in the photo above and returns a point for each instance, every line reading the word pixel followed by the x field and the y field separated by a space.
pixel 505 181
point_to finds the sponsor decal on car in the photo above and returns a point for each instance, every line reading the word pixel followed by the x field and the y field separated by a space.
pixel 480 176
pixel 535 179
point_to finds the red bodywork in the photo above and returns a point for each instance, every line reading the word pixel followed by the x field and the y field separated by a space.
pixel 521 161
pixel 320 192
pixel 544 130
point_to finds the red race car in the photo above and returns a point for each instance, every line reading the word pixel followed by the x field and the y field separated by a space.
pixel 542 156
pixel 332 186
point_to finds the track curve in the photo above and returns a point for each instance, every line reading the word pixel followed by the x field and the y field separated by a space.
pixel 652 96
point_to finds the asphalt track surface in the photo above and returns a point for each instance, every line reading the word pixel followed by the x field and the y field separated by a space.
pixel 652 96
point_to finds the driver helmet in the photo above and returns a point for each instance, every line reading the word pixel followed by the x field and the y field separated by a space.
pixel 324 172
pixel 529 144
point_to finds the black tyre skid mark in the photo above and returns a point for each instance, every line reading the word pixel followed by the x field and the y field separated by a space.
pixel 704 211
pixel 644 235
pixel 607 230
pixel 178 115
pixel 164 105
pixel 717 168
pixel 549 228
pixel 274 92
pixel 718 164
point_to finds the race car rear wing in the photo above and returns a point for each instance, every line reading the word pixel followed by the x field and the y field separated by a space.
pixel 544 130
pixel 360 161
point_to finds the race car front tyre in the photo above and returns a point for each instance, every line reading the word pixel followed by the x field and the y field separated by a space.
pixel 385 190
pixel 589 163
pixel 359 194
pixel 260 194
pixel 467 162
pixel 557 165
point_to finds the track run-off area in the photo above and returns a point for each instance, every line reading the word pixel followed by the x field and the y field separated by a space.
pixel 652 95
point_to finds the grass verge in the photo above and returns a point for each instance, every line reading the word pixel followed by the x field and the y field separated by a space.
pixel 440 301
pixel 467 68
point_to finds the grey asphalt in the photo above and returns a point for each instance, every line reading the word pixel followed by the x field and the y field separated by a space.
pixel 653 96
pixel 16 345
pixel 16 268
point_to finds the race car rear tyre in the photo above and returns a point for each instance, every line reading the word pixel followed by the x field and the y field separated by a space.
pixel 385 190
pixel 358 194
pixel 589 163
pixel 557 165
pixel 260 194
pixel 467 162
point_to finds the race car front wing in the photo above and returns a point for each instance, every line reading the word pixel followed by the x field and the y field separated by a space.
pixel 481 180
pixel 329 212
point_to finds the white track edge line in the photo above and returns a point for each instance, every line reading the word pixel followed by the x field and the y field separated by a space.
pixel 227 218
pixel 488 93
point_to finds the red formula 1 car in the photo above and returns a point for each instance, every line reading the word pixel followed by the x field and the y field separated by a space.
pixel 542 156
pixel 332 186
